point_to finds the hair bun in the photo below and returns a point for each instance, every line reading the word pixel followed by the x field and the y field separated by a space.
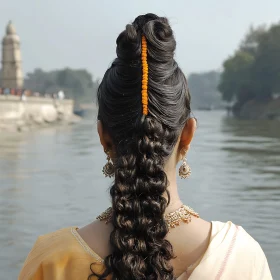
pixel 142 20
pixel 131 32
pixel 161 41
pixel 159 35
pixel 160 28
pixel 128 44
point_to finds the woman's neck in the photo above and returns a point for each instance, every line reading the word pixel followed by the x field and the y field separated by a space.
pixel 175 201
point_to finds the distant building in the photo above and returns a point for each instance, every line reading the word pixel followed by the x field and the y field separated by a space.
pixel 12 76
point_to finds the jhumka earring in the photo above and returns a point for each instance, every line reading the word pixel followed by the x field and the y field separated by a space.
pixel 184 170
pixel 108 169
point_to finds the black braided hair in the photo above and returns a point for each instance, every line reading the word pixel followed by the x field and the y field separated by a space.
pixel 142 144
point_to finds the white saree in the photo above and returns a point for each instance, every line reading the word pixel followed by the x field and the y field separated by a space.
pixel 232 255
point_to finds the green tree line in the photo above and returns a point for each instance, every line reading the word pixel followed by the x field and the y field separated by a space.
pixel 253 71
pixel 76 84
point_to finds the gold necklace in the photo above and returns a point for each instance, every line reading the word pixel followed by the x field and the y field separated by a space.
pixel 173 219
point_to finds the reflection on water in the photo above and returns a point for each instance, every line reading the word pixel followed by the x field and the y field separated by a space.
pixel 52 179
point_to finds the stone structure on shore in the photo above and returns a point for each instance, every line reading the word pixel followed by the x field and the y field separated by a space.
pixel 34 112
pixel 12 76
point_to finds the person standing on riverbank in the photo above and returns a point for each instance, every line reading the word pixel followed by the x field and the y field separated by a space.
pixel 146 128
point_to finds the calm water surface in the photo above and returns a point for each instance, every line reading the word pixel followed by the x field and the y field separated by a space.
pixel 52 178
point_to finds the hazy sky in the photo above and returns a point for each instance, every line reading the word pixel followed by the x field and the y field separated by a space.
pixel 82 34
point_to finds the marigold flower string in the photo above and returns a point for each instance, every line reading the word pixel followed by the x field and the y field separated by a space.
pixel 144 76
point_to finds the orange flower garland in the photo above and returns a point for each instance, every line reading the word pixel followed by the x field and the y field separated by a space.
pixel 144 76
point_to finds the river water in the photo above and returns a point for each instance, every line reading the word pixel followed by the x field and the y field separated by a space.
pixel 52 178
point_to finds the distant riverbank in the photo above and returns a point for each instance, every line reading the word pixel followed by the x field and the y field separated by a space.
pixel 256 110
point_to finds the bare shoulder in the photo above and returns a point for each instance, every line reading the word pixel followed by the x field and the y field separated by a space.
pixel 97 237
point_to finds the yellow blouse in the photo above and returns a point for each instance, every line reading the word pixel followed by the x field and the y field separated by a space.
pixel 61 255
pixel 232 254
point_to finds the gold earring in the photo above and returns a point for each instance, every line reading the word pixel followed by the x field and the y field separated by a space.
pixel 108 169
pixel 185 170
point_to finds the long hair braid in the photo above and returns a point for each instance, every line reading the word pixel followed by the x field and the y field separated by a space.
pixel 142 144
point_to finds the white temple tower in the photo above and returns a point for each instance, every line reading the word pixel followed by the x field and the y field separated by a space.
pixel 12 76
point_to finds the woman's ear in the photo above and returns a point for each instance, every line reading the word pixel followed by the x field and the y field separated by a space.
pixel 187 134
pixel 104 137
